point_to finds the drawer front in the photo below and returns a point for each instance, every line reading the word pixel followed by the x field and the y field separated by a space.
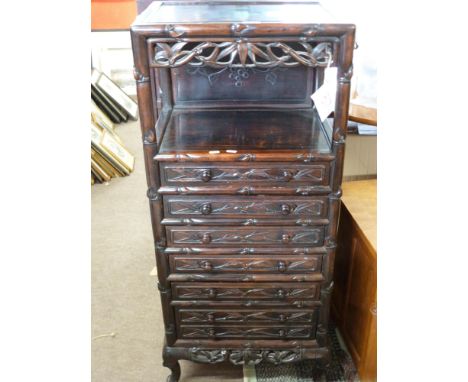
pixel 308 236
pixel 249 332
pixel 215 173
pixel 245 291
pixel 229 264
pixel 235 316
pixel 247 206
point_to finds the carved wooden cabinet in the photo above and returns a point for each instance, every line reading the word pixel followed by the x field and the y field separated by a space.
pixel 243 176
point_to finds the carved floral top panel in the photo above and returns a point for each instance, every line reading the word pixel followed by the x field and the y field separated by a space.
pixel 242 53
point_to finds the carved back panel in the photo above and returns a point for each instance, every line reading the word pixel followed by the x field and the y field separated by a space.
pixel 232 72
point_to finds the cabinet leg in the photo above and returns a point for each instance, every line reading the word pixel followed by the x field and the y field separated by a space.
pixel 174 365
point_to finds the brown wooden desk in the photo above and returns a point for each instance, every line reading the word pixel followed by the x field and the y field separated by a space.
pixel 354 301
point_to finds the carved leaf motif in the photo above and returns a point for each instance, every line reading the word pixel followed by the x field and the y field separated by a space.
pixel 242 54
pixel 194 317
pixel 245 356
pixel 310 236
pixel 208 356
pixel 316 174
pixel 188 265
pixel 249 357
pixel 300 317
pixel 244 293
pixel 283 356
pixel 299 292
pixel 313 207
pixel 302 265
pixel 242 50
pixel 176 174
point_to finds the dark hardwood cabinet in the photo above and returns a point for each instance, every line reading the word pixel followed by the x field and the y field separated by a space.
pixel 244 179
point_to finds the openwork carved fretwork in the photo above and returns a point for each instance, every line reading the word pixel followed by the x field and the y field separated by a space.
pixel 245 356
pixel 241 54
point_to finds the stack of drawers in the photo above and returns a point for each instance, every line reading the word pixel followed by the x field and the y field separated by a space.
pixel 247 255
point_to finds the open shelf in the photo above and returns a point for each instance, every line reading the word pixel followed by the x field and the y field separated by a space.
pixel 233 131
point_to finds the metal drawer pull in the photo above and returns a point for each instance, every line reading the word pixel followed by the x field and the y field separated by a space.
pixel 206 238
pixel 211 293
pixel 287 175
pixel 285 209
pixel 282 333
pixel 206 209
pixel 206 175
pixel 206 265
pixel 282 317
pixel 210 317
pixel 285 238
pixel 211 332
pixel 281 266
pixel 281 293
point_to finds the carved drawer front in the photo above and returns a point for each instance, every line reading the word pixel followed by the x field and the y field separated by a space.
pixel 250 332
pixel 216 173
pixel 245 291
pixel 247 206
pixel 235 236
pixel 235 316
pixel 226 264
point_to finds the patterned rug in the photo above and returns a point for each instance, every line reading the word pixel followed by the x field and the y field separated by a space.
pixel 341 369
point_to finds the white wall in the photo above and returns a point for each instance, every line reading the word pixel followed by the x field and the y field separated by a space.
pixel 111 53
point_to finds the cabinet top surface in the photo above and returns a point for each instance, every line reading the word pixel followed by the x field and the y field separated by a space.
pixel 284 12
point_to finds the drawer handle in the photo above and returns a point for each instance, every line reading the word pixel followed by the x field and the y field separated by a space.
pixel 206 175
pixel 206 265
pixel 206 209
pixel 286 238
pixel 211 293
pixel 211 332
pixel 288 175
pixel 206 238
pixel 285 209
pixel 282 317
pixel 282 333
pixel 281 293
pixel 210 317
pixel 281 266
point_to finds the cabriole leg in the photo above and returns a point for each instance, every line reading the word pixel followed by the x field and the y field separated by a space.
pixel 172 364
